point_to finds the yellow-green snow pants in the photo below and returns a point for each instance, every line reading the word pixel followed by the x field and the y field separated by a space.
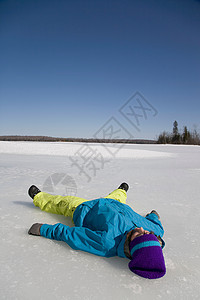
pixel 66 205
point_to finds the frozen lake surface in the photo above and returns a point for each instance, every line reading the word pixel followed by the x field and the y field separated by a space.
pixel 161 177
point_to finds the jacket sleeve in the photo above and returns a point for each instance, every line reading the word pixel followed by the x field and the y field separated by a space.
pixel 154 219
pixel 78 238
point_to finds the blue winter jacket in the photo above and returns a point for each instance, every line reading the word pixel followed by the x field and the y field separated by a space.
pixel 101 227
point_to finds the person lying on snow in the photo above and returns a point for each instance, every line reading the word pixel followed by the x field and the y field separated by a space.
pixel 106 227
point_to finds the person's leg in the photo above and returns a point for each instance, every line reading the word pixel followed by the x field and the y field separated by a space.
pixel 119 195
pixel 61 205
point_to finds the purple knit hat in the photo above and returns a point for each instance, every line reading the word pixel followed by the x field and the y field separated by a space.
pixel 147 257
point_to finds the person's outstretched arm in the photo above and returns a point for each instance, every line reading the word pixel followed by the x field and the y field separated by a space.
pixel 155 219
pixel 78 238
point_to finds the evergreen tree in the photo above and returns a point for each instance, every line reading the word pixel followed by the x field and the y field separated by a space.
pixel 176 135
pixel 175 128
pixel 185 135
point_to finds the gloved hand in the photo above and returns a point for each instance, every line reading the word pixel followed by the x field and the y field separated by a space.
pixel 154 212
pixel 35 229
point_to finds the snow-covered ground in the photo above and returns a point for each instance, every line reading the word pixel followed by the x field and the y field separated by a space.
pixel 165 178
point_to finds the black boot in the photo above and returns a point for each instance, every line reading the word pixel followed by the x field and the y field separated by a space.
pixel 33 190
pixel 124 186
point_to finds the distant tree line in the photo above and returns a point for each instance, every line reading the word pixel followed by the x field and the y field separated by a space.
pixel 78 140
pixel 31 138
pixel 184 137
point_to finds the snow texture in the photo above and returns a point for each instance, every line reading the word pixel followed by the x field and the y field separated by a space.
pixel 161 177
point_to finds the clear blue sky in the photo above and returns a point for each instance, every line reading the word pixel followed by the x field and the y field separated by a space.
pixel 66 67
